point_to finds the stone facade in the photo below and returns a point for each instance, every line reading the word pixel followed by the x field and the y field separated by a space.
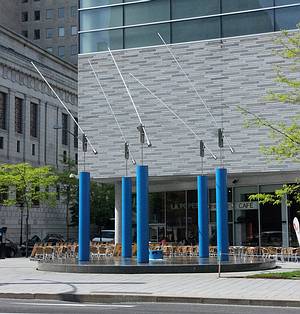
pixel 238 72
pixel 18 79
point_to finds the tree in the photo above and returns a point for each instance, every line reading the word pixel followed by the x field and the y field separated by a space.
pixel 32 186
pixel 68 187
pixel 286 136
pixel 102 205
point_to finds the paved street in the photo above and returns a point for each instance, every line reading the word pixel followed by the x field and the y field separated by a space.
pixel 19 275
pixel 42 306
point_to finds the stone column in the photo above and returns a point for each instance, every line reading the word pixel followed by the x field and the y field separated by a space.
pixel 118 212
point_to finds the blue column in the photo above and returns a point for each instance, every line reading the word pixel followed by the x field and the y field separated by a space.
pixel 84 217
pixel 203 216
pixel 126 217
pixel 222 213
pixel 142 214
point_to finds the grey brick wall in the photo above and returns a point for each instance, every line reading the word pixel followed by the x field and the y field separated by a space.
pixel 239 73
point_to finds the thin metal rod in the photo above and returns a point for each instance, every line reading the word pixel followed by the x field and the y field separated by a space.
pixel 194 88
pixel 111 109
pixel 129 94
pixel 68 111
pixel 174 113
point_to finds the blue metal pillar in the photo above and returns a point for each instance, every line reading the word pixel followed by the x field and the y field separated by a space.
pixel 84 217
pixel 142 219
pixel 203 216
pixel 126 217
pixel 222 213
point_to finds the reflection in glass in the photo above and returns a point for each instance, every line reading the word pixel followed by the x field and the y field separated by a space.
pixel 143 36
pixel 152 11
pixel 94 3
pixel 101 18
pixel 248 23
pixel 192 217
pixel 196 30
pixel 156 207
pixel 240 5
pixel 176 219
pixel 100 41
pixel 182 9
pixel 287 18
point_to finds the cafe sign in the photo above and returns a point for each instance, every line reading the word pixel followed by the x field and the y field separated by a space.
pixel 246 205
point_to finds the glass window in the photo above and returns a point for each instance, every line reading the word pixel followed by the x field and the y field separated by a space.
pixel 33 120
pixel 287 18
pixel 61 31
pixel 101 18
pixel 73 11
pixel 93 3
pixel 1 142
pixel 24 1
pixel 24 16
pixel 37 15
pixel 24 33
pixel 49 14
pixel 176 216
pixel 152 11
pixel 33 150
pixel 19 115
pixel 192 217
pixel 36 34
pixel 180 9
pixel 75 130
pixel 156 207
pixel 144 36
pixel 240 5
pixel 61 12
pixel 61 51
pixel 65 128
pixel 248 23
pixel 99 41
pixel 3 98
pixel 74 30
pixel 49 32
pixel 74 50
pixel 196 30
pixel 18 146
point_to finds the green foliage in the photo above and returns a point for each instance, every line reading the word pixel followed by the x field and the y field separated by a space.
pixel 102 204
pixel 285 136
pixel 32 184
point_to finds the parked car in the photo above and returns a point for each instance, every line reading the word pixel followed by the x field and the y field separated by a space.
pixel 31 242
pixel 105 236
pixel 11 248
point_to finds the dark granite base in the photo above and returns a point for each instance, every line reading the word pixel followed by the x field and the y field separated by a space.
pixel 118 265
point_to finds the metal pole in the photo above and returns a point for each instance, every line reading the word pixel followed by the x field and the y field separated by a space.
pixel 84 217
pixel 126 217
pixel 222 213
pixel 142 219
pixel 203 234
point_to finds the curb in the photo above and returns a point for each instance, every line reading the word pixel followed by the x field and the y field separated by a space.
pixel 128 298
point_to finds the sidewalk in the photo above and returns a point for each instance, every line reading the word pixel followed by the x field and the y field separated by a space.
pixel 20 279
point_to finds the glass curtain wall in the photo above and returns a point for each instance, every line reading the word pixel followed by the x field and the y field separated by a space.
pixel 122 24
pixel 174 216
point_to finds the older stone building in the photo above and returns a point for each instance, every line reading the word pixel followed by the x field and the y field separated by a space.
pixel 28 113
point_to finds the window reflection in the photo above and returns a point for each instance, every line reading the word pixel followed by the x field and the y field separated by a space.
pixel 241 5
pixel 100 41
pixel 94 3
pixel 101 18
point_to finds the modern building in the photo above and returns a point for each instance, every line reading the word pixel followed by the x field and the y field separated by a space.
pixel 49 24
pixel 226 47
pixel 28 113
